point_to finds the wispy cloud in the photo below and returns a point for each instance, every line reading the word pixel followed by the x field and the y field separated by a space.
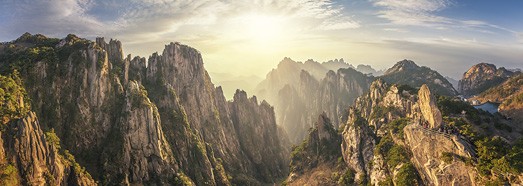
pixel 52 17
pixel 412 12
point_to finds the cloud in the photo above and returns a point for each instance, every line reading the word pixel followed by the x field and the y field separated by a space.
pixel 51 17
pixel 412 12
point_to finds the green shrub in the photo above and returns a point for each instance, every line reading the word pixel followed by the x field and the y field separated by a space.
pixel 396 155
pixel 52 138
pixel 348 177
pixel 8 175
pixel 13 98
pixel 407 175
pixel 447 157
pixel 397 126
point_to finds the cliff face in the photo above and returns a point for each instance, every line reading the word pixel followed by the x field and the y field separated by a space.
pixel 302 95
pixel 160 123
pixel 318 161
pixel 388 139
pixel 33 159
pixel 481 77
pixel 409 73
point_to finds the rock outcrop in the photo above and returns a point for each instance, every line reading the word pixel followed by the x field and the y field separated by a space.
pixel 34 158
pixel 481 77
pixel 428 107
pixel 159 121
pixel 358 146
pixel 428 147
pixel 317 161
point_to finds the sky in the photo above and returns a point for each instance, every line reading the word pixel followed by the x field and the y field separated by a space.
pixel 243 37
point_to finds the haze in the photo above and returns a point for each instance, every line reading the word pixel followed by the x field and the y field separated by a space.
pixel 250 37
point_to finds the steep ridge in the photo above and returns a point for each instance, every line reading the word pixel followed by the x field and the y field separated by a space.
pixel 298 98
pixel 288 73
pixel 397 135
pixel 136 121
pixel 408 73
pixel 481 77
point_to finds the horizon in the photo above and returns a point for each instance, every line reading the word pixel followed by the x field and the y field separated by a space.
pixel 252 38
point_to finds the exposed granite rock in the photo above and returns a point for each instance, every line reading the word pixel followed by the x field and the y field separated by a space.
pixel 38 162
pixel 427 147
pixel 160 123
pixel 428 107
pixel 316 160
pixel 257 139
pixel 300 92
pixel 358 145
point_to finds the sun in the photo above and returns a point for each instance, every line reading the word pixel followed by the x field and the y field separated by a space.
pixel 261 28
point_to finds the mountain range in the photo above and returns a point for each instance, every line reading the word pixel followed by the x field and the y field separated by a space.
pixel 80 112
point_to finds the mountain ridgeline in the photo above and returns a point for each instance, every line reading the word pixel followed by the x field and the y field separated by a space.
pixel 79 112
pixel 93 115
pixel 302 91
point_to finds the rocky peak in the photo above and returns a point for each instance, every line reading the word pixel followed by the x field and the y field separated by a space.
pixel 285 62
pixel 428 107
pixel 406 72
pixel 481 77
pixel 324 127
pixel 113 48
pixel 402 65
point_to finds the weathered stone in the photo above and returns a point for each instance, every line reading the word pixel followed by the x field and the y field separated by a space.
pixel 428 107
pixel 38 162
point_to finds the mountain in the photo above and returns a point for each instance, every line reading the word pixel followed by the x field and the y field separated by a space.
pixel 288 72
pixel 230 83
pixel 452 81
pixel 129 120
pixel 509 94
pixel 398 135
pixel 481 77
pixel 299 96
pixel 408 73
pixel 367 69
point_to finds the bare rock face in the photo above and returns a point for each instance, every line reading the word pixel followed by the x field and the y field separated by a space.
pixel 37 161
pixel 428 107
pixel 323 125
pixel 300 92
pixel 256 137
pixel 481 77
pixel 317 158
pixel 159 121
pixel 428 147
pixel 357 146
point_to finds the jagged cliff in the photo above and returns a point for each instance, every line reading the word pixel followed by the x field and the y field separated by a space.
pixel 136 121
pixel 28 156
pixel 481 77
pixel 398 135
pixel 299 95
pixel 317 161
